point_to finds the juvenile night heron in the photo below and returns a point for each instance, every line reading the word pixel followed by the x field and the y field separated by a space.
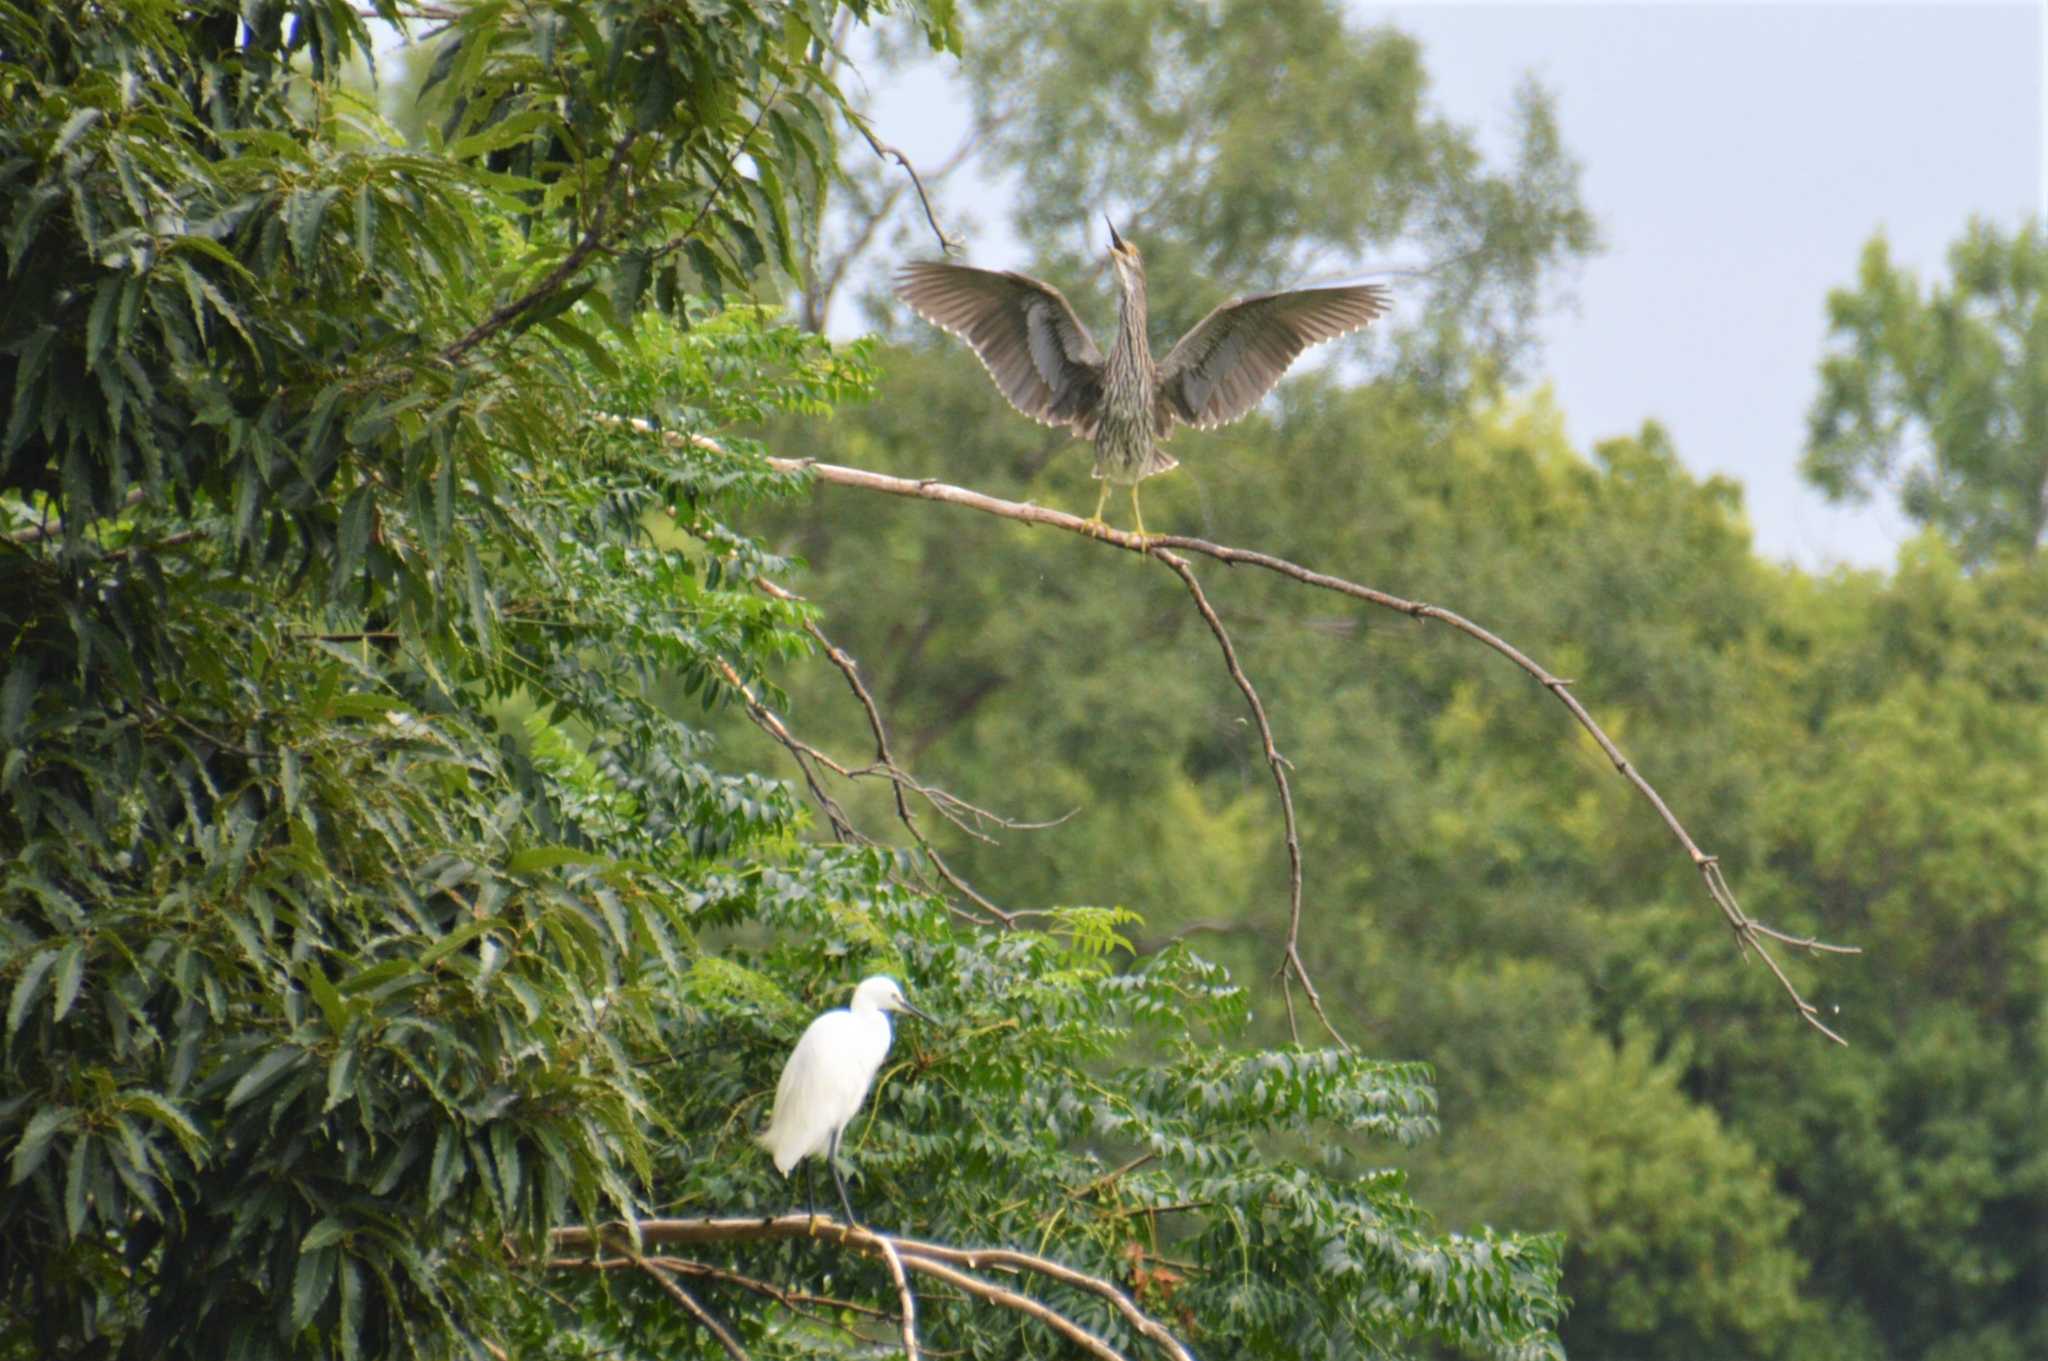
pixel 1047 364
pixel 827 1077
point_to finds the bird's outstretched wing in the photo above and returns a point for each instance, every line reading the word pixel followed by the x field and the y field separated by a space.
pixel 1026 334
pixel 1234 355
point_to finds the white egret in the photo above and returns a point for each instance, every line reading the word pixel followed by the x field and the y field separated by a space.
pixel 827 1077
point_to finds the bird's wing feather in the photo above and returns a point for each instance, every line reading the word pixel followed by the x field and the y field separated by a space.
pixel 1025 333
pixel 823 1083
pixel 1235 355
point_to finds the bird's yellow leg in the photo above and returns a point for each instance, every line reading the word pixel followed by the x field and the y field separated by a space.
pixel 1095 521
pixel 1138 516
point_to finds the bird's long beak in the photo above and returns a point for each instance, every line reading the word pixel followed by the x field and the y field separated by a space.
pixel 1115 241
pixel 903 1004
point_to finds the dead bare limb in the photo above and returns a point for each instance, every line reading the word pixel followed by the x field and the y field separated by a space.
pixel 810 760
pixel 694 1309
pixel 1291 967
pixel 1750 934
pixel 903 1295
pixel 947 243
pixel 579 1247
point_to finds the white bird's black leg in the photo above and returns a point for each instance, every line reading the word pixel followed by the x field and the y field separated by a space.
pixel 810 1194
pixel 832 1156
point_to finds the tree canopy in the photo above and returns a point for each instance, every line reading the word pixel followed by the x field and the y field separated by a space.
pixel 1939 395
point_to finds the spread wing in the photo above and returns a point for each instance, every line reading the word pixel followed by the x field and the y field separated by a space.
pixel 1237 353
pixel 1025 333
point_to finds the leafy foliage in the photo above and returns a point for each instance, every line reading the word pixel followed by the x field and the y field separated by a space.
pixel 1940 395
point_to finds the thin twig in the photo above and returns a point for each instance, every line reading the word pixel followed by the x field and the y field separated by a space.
pixel 695 1310
pixel 1089 1188
pixel 885 762
pixel 1290 955
pixel 949 244
pixel 818 298
pixel 764 718
pixel 1749 933
pixel 732 165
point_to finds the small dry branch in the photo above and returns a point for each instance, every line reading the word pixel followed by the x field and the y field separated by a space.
pixel 612 1247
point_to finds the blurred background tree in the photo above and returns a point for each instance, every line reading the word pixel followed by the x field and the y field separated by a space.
pixel 1941 396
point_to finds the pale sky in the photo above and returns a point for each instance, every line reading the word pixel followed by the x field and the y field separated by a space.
pixel 1737 158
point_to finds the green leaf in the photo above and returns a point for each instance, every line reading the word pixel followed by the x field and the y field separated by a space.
pixel 70 976
pixel 586 344
pixel 537 858
pixel 311 1283
pixel 99 322
pixel 447 1168
pixel 45 1125
pixel 352 538
pixel 503 133
pixel 17 693
pixel 27 986
pixel 77 1173
pixel 340 1077
pixel 263 1072
pixel 74 128
pixel 304 211
pixel 326 1232
pixel 169 1116
pixel 325 997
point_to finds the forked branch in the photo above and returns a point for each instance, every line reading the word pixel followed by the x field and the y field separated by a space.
pixel 1750 934
pixel 1291 968
pixel 812 761
pixel 611 1247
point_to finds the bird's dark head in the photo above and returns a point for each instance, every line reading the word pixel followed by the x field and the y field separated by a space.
pixel 1124 255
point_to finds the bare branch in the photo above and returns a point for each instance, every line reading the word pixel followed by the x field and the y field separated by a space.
pixel 818 297
pixel 903 1294
pixel 805 754
pixel 955 1266
pixel 801 1302
pixel 1023 1304
pixel 1749 933
pixel 949 244
pixel 694 1309
pixel 947 805
pixel 976 1258
pixel 1290 955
